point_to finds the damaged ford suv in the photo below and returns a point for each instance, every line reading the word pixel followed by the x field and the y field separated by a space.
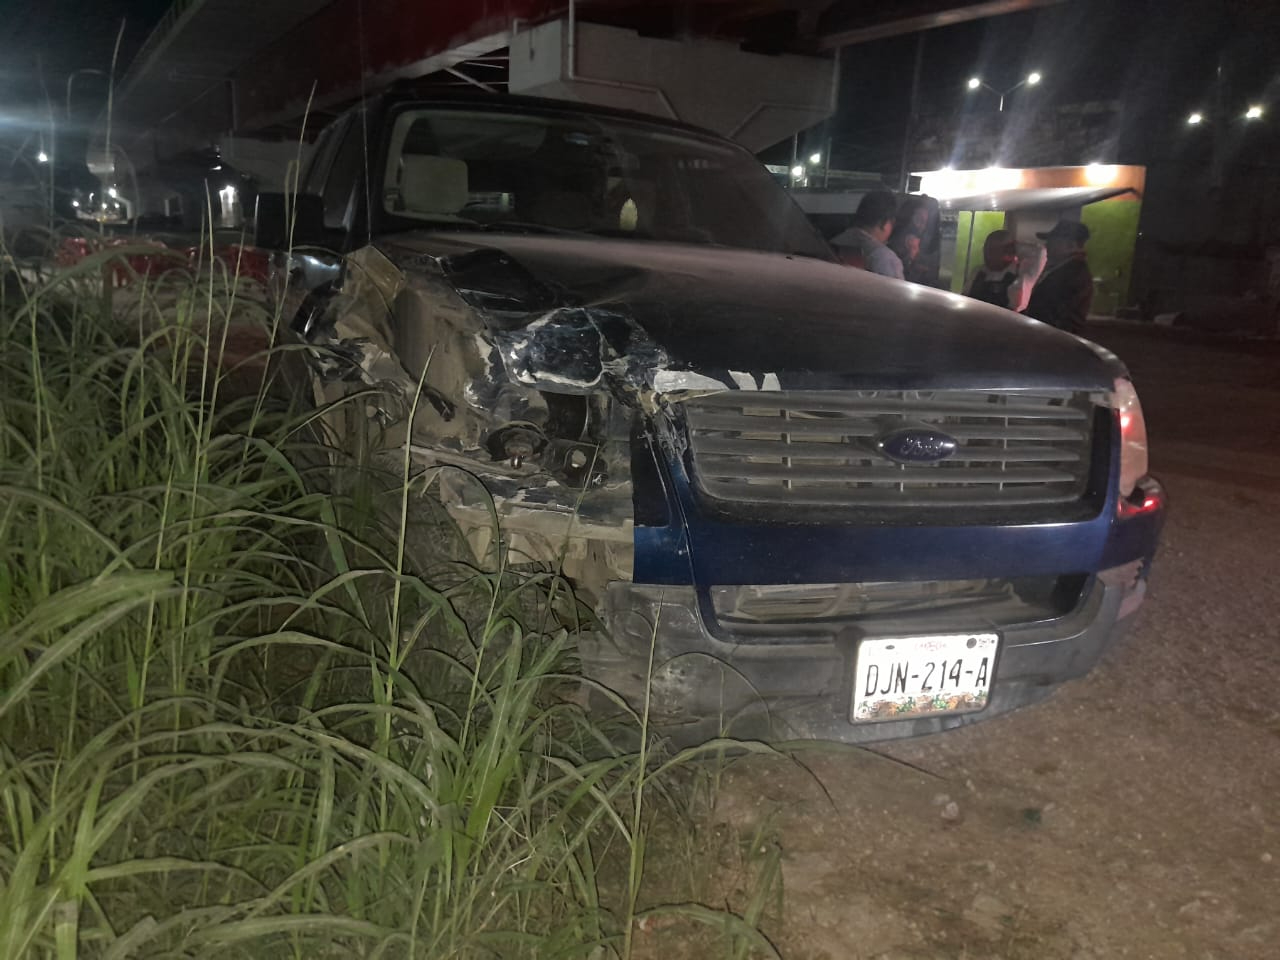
pixel 819 502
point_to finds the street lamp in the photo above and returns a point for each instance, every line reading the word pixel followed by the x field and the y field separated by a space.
pixel 797 172
pixel 1254 112
pixel 1030 80
pixel 1195 119
pixel 815 158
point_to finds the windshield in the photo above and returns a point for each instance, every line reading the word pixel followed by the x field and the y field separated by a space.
pixel 554 173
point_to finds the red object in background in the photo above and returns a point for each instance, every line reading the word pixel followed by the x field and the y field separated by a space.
pixel 241 261
pixel 247 262
pixel 131 262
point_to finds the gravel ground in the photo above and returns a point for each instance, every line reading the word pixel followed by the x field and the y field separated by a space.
pixel 1135 814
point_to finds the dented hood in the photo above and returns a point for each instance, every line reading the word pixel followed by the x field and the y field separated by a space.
pixel 813 324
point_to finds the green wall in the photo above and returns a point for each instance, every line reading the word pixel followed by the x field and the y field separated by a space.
pixel 1113 233
pixel 988 221
pixel 1113 229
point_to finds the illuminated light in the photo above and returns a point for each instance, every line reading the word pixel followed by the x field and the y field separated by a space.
pixel 1000 178
pixel 797 172
pixel 1254 112
pixel 815 158
pixel 1033 78
pixel 75 203
pixel 42 157
pixel 1133 436
pixel 1130 508
pixel 112 192
pixel 948 184
pixel 1100 174
pixel 974 83
pixel 1195 118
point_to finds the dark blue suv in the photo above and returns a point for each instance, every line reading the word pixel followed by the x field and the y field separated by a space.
pixel 805 501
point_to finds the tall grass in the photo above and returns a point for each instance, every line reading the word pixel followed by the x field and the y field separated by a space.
pixel 245 709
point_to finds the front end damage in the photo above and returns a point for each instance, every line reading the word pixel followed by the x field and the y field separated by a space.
pixel 733 598
pixel 484 370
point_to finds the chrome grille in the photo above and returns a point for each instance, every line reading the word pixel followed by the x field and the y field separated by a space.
pixel 819 448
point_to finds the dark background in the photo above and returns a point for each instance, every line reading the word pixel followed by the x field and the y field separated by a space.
pixel 1158 58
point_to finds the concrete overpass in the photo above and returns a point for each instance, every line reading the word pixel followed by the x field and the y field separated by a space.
pixel 216 68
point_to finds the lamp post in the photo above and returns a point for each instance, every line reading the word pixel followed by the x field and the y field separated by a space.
pixel 1030 80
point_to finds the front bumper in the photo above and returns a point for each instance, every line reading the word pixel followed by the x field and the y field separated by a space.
pixel 704 686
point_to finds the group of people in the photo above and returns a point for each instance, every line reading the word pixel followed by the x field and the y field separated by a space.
pixel 1050 282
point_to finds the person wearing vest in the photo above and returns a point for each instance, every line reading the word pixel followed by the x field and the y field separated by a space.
pixel 998 271
pixel 1064 294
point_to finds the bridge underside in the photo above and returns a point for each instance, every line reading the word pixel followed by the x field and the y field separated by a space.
pixel 243 67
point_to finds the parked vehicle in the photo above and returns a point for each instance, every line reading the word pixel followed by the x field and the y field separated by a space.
pixel 831 504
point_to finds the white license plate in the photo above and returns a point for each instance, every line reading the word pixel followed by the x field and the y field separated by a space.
pixel 899 678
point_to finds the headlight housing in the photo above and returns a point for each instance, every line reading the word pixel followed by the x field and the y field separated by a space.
pixel 1133 435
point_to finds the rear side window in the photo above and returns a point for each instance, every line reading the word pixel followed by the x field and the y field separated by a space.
pixel 322 156
pixel 345 175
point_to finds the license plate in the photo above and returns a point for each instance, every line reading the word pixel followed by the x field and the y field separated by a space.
pixel 899 678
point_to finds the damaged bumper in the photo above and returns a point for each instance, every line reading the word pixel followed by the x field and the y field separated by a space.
pixel 755 628
pixel 707 683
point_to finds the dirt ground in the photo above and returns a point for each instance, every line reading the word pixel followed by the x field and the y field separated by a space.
pixel 1137 812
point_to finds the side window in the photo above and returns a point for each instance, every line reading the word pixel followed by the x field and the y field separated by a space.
pixel 322 156
pixel 345 174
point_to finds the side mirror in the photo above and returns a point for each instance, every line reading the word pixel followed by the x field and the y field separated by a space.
pixel 282 220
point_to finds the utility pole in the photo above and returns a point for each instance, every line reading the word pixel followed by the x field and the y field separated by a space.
pixel 1217 163
pixel 904 171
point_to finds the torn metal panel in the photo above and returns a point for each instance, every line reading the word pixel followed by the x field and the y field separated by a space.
pixel 529 397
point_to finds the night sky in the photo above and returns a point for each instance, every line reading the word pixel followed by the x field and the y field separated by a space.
pixel 44 41
pixel 1159 56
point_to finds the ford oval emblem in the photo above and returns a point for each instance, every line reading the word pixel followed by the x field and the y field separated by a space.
pixel 916 445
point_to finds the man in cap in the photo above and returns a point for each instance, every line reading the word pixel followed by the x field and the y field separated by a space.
pixel 1065 291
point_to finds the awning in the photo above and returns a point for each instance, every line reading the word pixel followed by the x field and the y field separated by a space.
pixel 1045 198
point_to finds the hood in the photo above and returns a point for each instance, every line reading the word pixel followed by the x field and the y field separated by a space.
pixel 722 312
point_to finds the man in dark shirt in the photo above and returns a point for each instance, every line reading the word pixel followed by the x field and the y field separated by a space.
pixel 1064 293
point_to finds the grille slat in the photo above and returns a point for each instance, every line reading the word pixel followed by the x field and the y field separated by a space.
pixel 813 475
pixel 839 403
pixel 778 495
pixel 820 448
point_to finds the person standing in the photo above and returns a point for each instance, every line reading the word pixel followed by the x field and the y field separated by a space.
pixel 1009 271
pixel 998 271
pixel 1064 294
pixel 863 244
pixel 909 253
